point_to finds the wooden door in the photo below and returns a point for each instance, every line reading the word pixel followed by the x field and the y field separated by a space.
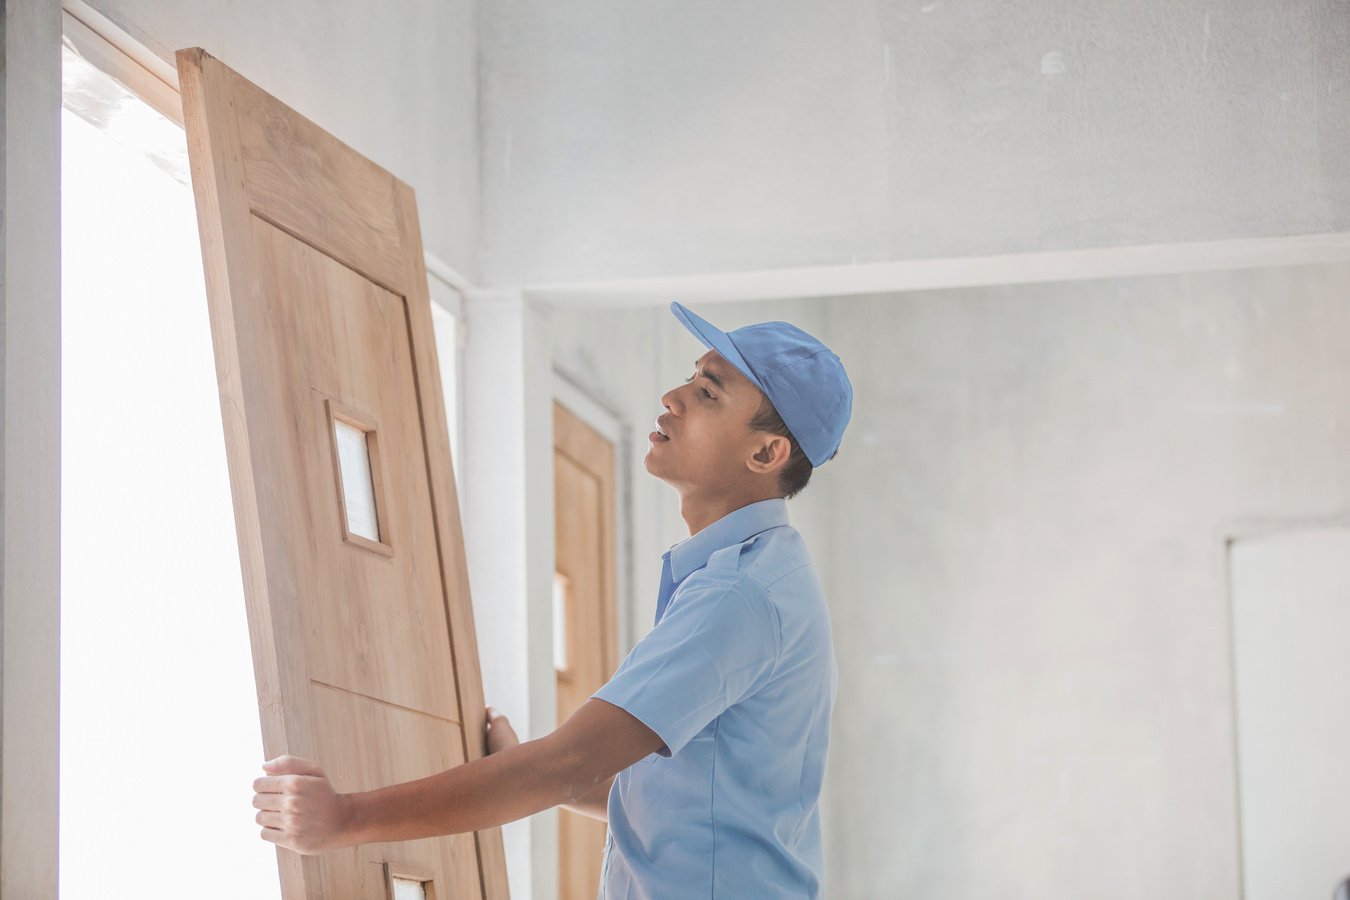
pixel 339 458
pixel 583 471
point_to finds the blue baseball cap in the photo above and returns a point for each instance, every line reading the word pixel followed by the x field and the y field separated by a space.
pixel 802 378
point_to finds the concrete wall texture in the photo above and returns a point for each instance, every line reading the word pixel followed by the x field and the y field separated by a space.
pixel 657 139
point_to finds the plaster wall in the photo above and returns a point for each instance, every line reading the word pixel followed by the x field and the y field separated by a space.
pixel 402 89
pixel 653 139
pixel 1028 572
pixel 506 493
pixel 30 442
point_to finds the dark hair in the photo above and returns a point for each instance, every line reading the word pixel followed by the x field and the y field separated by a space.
pixel 797 472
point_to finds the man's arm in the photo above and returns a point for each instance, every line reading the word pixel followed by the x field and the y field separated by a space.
pixel 595 804
pixel 300 810
pixel 501 735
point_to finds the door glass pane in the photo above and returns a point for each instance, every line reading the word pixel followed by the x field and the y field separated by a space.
pixel 358 490
pixel 409 889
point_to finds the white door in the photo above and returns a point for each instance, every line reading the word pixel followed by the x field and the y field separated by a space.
pixel 1291 649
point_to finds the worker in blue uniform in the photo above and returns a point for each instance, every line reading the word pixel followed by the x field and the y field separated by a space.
pixel 706 750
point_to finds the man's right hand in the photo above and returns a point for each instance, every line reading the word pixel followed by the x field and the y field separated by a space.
pixel 499 733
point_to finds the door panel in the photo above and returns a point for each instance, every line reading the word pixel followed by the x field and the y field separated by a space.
pixel 362 638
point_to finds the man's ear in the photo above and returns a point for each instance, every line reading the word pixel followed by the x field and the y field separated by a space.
pixel 771 455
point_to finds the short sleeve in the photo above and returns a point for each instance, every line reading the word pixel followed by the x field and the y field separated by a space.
pixel 717 644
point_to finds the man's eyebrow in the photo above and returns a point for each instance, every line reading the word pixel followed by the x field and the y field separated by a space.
pixel 715 379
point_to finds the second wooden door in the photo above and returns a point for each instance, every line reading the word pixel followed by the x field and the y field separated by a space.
pixel 586 635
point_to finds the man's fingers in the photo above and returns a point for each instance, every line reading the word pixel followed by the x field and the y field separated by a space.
pixel 270 834
pixel 292 765
pixel 276 784
pixel 268 801
pixel 269 819
pixel 280 784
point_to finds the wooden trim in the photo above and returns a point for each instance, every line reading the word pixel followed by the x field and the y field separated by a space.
pixel 96 39
pixel 568 391
pixel 135 51
pixel 584 512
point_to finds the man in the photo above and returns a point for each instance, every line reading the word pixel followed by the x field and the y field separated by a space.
pixel 706 749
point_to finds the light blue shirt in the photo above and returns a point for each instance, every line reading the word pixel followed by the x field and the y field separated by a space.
pixel 738 678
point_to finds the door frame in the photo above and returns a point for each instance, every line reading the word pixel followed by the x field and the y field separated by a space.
pixel 1226 533
pixel 613 427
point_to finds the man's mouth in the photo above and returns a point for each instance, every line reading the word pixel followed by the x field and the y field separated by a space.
pixel 658 436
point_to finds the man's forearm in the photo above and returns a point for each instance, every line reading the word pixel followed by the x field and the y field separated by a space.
pixel 503 787
pixel 596 803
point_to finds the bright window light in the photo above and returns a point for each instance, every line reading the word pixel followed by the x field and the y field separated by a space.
pixel 160 737
pixel 409 889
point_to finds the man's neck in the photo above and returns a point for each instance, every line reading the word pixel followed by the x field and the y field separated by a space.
pixel 699 512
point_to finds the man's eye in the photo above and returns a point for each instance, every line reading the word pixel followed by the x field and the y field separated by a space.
pixel 704 390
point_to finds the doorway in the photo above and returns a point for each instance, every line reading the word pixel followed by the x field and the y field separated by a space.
pixel 156 673
pixel 1290 597
pixel 585 623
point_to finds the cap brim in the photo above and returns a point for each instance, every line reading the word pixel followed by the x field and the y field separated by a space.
pixel 714 338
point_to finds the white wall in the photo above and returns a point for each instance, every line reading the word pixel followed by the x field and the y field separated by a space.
pixel 1029 582
pixel 660 139
pixel 400 85
pixel 506 492
pixel 30 434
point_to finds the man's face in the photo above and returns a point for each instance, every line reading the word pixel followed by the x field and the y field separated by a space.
pixel 707 437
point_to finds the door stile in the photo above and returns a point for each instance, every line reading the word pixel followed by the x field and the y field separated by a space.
pixel 227 258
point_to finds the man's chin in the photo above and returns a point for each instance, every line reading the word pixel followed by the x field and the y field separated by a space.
pixel 653 467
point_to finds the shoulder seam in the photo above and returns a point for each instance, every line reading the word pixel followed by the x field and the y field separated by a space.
pixel 761 589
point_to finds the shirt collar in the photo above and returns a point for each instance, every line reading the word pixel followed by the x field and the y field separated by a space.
pixel 736 526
